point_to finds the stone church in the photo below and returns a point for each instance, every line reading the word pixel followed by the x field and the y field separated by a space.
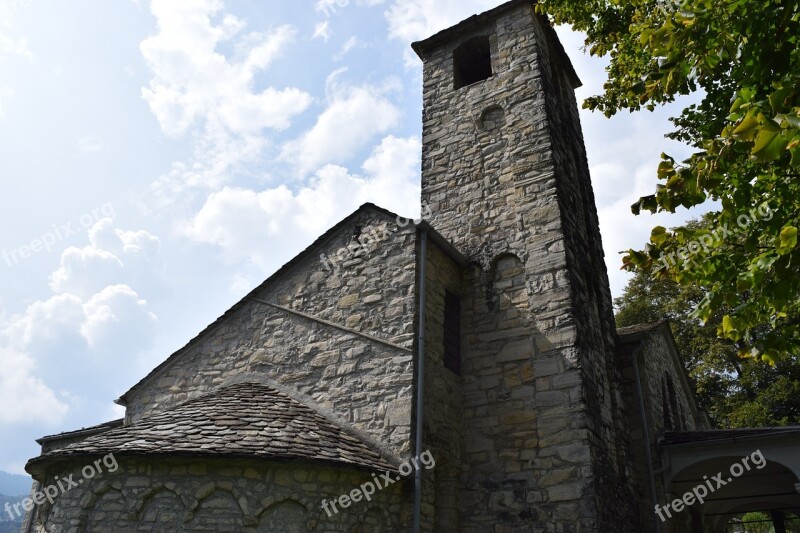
pixel 470 358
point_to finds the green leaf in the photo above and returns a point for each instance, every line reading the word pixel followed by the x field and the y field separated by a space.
pixel 778 99
pixel 748 128
pixel 788 240
pixel 659 235
pixel 770 145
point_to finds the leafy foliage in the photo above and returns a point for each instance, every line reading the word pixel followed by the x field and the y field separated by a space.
pixel 734 391
pixel 743 57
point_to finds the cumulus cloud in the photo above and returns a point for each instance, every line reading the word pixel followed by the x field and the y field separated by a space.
pixel 263 227
pixel 24 397
pixel 94 325
pixel 195 86
pixel 412 20
pixel 111 257
pixel 354 116
pixel 58 347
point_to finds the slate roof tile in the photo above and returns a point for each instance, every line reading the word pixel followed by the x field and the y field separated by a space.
pixel 248 420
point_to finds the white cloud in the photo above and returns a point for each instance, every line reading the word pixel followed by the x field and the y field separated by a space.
pixel 113 316
pixel 85 269
pixel 412 20
pixel 196 86
pixel 194 82
pixel 355 116
pixel 88 336
pixel 264 226
pixel 348 45
pixel 25 399
pixel 59 348
pixel 113 256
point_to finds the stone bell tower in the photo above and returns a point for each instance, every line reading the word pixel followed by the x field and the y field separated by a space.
pixel 506 177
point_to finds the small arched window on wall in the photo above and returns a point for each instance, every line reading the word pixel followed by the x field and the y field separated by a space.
pixel 472 62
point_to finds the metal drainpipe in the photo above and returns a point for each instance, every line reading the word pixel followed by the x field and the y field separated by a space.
pixel 420 377
pixel 648 456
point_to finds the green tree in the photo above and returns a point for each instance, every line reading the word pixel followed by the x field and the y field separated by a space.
pixel 734 391
pixel 743 58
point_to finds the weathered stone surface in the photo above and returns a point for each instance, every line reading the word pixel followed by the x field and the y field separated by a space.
pixel 271 497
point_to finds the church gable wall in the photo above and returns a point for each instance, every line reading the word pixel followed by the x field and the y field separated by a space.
pixel 669 399
pixel 361 371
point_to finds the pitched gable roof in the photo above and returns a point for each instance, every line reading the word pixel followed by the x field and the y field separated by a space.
pixel 244 420
pixel 367 207
pixel 441 241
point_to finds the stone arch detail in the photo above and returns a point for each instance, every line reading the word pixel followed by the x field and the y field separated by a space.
pixel 509 291
pixel 146 509
pixel 225 504
pixel 285 515
pixel 105 502
pixel 492 119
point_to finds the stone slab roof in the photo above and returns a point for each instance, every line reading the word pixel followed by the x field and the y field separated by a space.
pixel 632 332
pixel 245 420
pixel 83 432
pixel 676 438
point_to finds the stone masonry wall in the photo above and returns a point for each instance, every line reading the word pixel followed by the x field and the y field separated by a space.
pixel 657 359
pixel 659 364
pixel 444 409
pixel 176 496
pixel 497 189
pixel 364 382
pixel 591 298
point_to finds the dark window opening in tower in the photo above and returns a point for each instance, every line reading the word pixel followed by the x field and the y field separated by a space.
pixel 452 332
pixel 472 62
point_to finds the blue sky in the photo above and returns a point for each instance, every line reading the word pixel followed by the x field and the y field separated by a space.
pixel 160 158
